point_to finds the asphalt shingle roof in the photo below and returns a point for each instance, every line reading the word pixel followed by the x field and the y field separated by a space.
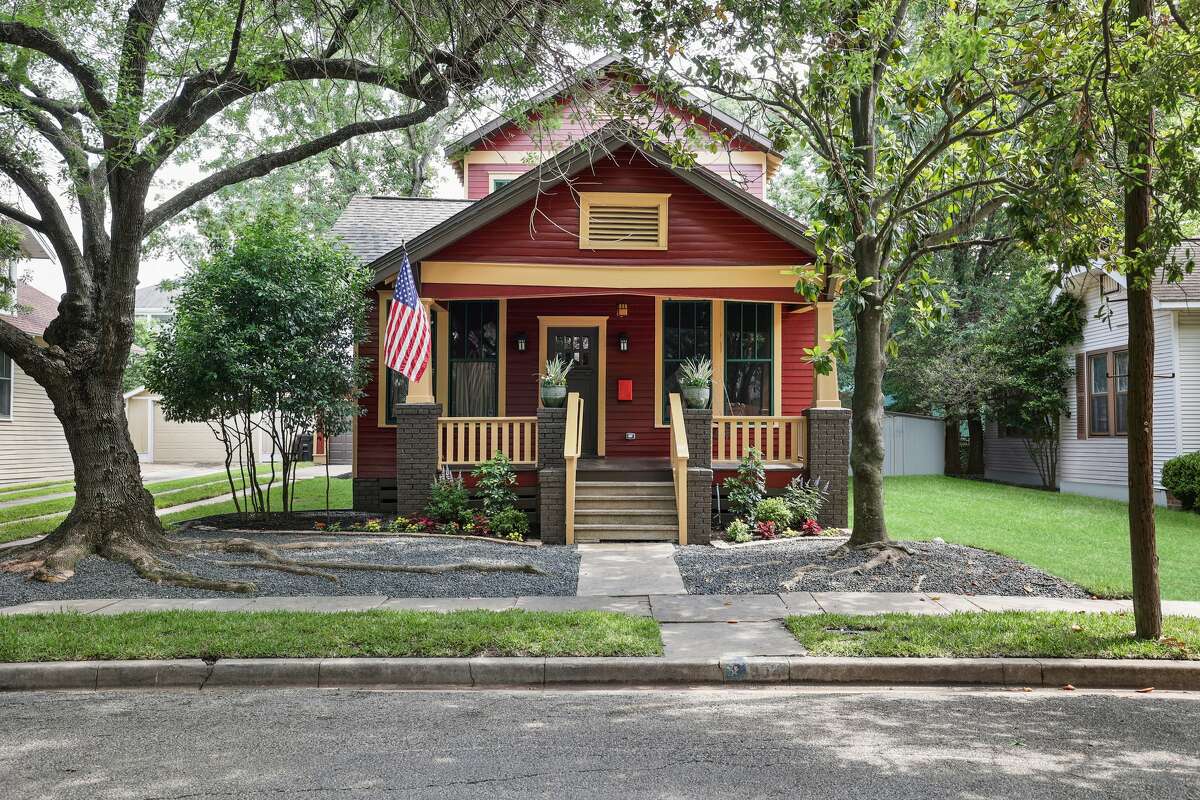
pixel 154 296
pixel 374 226
pixel 1189 287
pixel 35 310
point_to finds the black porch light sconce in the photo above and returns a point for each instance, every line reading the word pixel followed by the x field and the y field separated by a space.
pixel 623 342
pixel 521 341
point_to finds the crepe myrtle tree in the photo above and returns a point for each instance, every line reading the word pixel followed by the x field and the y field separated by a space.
pixel 263 342
pixel 913 113
pixel 100 96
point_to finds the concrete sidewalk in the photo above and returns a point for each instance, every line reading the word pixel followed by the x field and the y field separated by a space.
pixel 693 626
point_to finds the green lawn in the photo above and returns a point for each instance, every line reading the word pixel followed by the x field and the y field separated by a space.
pixel 181 490
pixel 1056 634
pixel 1082 539
pixel 310 495
pixel 287 634
pixel 23 490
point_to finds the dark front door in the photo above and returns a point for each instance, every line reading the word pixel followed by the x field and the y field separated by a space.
pixel 578 347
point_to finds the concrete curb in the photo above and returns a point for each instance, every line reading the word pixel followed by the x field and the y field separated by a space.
pixel 404 673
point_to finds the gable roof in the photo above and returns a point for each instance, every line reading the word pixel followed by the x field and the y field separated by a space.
pixel 35 310
pixel 1187 289
pixel 595 69
pixel 568 162
pixel 372 226
pixel 154 296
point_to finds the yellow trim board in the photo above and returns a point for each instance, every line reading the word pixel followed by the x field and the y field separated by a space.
pixel 600 322
pixel 604 276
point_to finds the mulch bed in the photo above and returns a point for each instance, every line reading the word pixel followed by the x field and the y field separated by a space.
pixel 97 578
pixel 933 568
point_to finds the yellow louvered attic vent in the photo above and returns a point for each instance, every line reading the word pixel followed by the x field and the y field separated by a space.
pixel 622 221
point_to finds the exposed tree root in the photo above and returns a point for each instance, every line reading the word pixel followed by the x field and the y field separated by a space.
pixel 792 583
pixel 885 553
pixel 295 570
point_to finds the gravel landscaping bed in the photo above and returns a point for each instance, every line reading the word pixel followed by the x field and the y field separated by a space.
pixel 947 568
pixel 97 578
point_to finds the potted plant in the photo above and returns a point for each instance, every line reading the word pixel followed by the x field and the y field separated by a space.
pixel 695 381
pixel 554 382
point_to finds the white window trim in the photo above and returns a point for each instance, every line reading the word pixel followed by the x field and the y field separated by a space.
pixel 501 176
pixel 12 384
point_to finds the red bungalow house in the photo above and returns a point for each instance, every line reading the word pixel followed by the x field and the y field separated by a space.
pixel 605 253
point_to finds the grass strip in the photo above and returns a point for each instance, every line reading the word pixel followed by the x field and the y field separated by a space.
pixel 293 634
pixel 58 487
pixel 1008 634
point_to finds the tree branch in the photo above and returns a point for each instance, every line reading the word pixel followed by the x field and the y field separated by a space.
pixel 261 165
pixel 31 358
pixel 26 219
pixel 54 223
pixel 46 43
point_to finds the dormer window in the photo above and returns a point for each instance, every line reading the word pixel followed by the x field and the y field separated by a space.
pixel 622 221
pixel 500 180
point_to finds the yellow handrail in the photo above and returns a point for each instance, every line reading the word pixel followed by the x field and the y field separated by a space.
pixel 780 440
pixel 473 440
pixel 679 462
pixel 572 448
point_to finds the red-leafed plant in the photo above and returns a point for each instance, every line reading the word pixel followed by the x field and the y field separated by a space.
pixel 810 528
pixel 766 529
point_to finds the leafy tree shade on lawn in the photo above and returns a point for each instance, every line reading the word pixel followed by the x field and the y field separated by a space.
pixel 291 634
pixel 1082 539
pixel 1012 634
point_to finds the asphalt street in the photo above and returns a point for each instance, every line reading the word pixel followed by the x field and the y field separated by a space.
pixel 723 743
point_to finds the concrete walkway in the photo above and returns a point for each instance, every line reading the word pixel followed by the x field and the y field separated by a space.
pixel 693 626
pixel 620 569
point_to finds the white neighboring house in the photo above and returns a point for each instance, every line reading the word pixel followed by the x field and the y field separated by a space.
pixel 1092 444
pixel 32 444
pixel 160 440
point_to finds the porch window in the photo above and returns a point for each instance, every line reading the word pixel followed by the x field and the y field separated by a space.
pixel 748 358
pixel 474 358
pixel 1108 393
pixel 6 387
pixel 396 389
pixel 687 333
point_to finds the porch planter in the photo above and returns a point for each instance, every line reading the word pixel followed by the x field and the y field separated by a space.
pixel 696 396
pixel 554 396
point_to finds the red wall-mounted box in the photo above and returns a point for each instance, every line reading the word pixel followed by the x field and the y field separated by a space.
pixel 625 389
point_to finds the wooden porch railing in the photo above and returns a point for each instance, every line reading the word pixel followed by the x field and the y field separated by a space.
pixel 572 448
pixel 679 464
pixel 781 440
pixel 473 440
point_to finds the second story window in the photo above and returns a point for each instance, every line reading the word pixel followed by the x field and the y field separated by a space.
pixel 622 221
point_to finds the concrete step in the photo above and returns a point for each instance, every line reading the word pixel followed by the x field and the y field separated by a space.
pixel 625 516
pixel 619 488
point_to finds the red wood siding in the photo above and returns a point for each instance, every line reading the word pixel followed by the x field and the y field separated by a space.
pixel 701 230
pixel 479 177
pixel 799 331
pixel 375 446
pixel 636 364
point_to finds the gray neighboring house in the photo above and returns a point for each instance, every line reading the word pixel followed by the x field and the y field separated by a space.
pixel 1093 455
pixel 154 304
pixel 32 444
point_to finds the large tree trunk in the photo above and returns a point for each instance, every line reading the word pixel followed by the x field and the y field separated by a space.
pixel 867 448
pixel 1147 605
pixel 953 449
pixel 975 465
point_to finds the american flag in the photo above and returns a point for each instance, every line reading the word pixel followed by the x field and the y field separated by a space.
pixel 407 340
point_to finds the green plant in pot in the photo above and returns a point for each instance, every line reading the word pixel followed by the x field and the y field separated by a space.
pixel 554 382
pixel 695 381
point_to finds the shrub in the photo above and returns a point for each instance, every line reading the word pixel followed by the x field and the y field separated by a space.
pixel 748 487
pixel 766 529
pixel 1181 477
pixel 448 500
pixel 738 531
pixel 810 528
pixel 773 509
pixel 511 523
pixel 496 478
pixel 373 525
pixel 790 533
pixel 805 498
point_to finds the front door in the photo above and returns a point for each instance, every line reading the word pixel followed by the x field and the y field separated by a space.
pixel 578 347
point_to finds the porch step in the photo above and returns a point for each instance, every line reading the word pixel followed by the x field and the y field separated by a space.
pixel 612 502
pixel 625 515
pixel 614 532
pixel 623 488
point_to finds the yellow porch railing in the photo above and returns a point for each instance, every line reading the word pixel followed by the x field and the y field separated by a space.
pixel 572 449
pixel 679 464
pixel 473 440
pixel 780 440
